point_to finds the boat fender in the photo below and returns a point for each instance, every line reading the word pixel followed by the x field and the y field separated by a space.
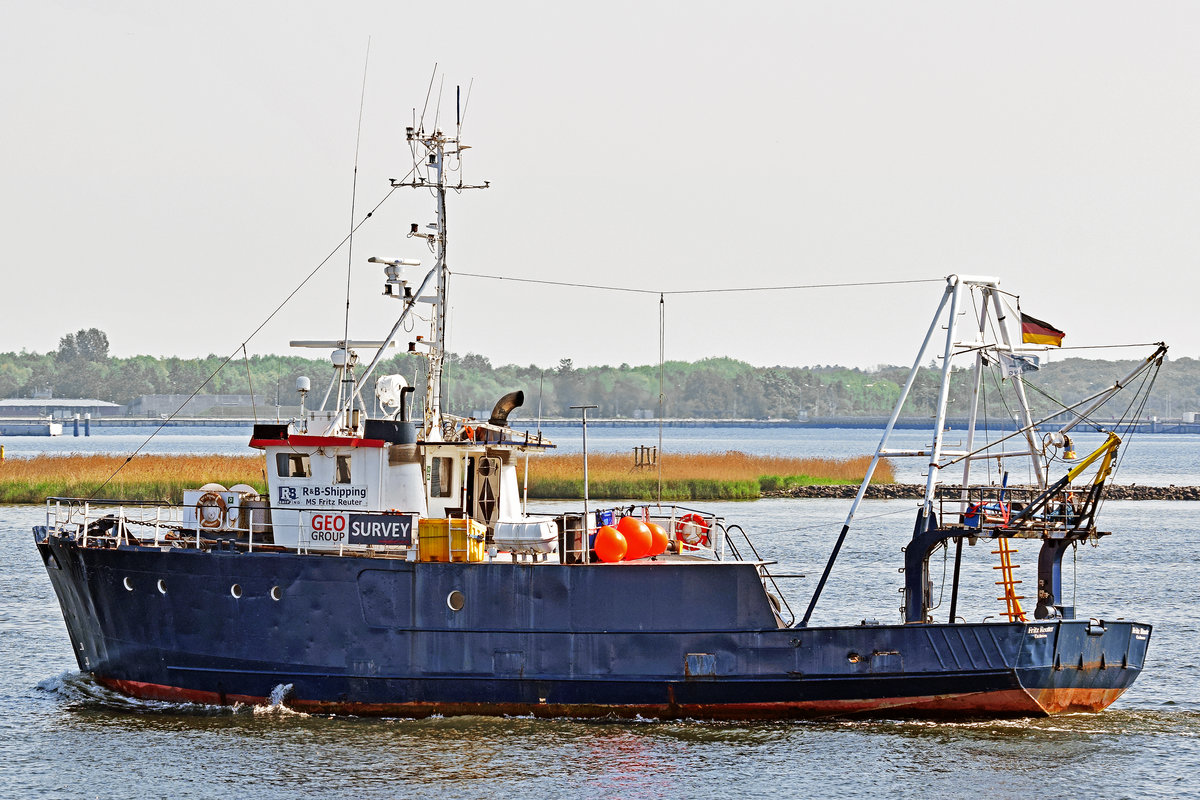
pixel 210 500
pixel 692 531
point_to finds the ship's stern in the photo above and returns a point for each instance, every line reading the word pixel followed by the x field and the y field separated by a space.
pixel 1081 665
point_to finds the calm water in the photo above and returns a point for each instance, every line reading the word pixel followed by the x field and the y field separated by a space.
pixel 61 736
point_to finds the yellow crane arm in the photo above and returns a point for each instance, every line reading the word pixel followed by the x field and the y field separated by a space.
pixel 1108 450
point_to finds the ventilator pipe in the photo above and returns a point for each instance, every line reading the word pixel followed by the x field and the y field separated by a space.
pixel 404 392
pixel 504 407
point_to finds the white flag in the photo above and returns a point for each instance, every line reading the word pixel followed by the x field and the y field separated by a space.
pixel 1015 364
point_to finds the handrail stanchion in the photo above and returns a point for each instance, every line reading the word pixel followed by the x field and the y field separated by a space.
pixel 586 522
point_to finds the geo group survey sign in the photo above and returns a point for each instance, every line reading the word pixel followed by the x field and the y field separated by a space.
pixel 342 527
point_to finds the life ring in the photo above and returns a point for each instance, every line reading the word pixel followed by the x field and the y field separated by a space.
pixel 207 501
pixel 691 530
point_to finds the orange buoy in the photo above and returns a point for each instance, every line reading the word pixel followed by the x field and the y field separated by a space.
pixel 661 540
pixel 610 545
pixel 638 538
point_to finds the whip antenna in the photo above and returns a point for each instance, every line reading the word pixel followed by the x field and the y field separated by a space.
pixel 428 92
pixel 362 99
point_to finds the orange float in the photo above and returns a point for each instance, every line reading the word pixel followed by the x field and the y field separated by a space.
pixel 661 540
pixel 638 539
pixel 610 545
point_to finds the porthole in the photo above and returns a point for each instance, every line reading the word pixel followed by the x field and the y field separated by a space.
pixel 162 586
pixel 276 593
pixel 128 585
pixel 236 590
pixel 455 600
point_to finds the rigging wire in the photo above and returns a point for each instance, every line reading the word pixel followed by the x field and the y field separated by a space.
pixel 1148 380
pixel 246 341
pixel 1108 346
pixel 987 421
pixel 1087 418
pixel 1126 422
pixel 726 290
pixel 250 383
pixel 838 521
pixel 942 591
pixel 985 364
pixel 1075 573
pixel 662 334
pixel 362 100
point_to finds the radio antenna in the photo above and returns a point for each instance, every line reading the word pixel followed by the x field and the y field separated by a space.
pixel 466 103
pixel 428 92
pixel 362 99
pixel 437 111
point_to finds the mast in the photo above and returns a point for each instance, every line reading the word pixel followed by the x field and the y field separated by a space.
pixel 437 147
pixel 1026 417
pixel 428 172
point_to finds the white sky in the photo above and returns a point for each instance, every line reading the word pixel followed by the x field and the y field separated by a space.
pixel 171 171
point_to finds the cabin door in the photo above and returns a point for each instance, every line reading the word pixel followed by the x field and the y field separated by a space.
pixel 485 491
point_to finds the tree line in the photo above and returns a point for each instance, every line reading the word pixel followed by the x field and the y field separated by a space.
pixel 720 388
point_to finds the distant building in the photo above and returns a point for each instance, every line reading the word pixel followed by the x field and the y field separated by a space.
pixel 56 407
pixel 202 405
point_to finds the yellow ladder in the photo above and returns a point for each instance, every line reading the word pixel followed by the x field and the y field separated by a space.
pixel 1012 601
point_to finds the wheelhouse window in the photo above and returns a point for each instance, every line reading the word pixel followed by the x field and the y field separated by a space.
pixel 342 471
pixel 293 465
pixel 441 473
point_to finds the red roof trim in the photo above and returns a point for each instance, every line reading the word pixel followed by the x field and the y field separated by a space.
pixel 300 440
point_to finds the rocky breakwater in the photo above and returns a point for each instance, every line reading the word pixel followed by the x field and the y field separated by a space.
pixel 906 491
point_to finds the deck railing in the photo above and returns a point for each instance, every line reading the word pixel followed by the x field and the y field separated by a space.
pixel 1009 508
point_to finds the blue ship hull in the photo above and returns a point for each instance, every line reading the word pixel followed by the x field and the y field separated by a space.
pixel 700 640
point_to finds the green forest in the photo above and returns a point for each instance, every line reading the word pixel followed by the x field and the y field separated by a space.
pixel 714 388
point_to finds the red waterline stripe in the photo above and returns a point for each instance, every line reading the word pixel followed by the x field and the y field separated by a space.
pixel 1009 702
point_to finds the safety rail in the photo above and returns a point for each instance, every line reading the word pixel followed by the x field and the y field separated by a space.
pixel 691 531
pixel 764 574
pixel 115 521
pixel 93 518
pixel 1019 508
pixel 249 528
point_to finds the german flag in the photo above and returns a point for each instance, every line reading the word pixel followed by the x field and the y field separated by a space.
pixel 1034 331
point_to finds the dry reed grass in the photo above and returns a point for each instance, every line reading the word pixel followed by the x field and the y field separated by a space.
pixel 702 476
pixel 145 477
pixel 711 476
